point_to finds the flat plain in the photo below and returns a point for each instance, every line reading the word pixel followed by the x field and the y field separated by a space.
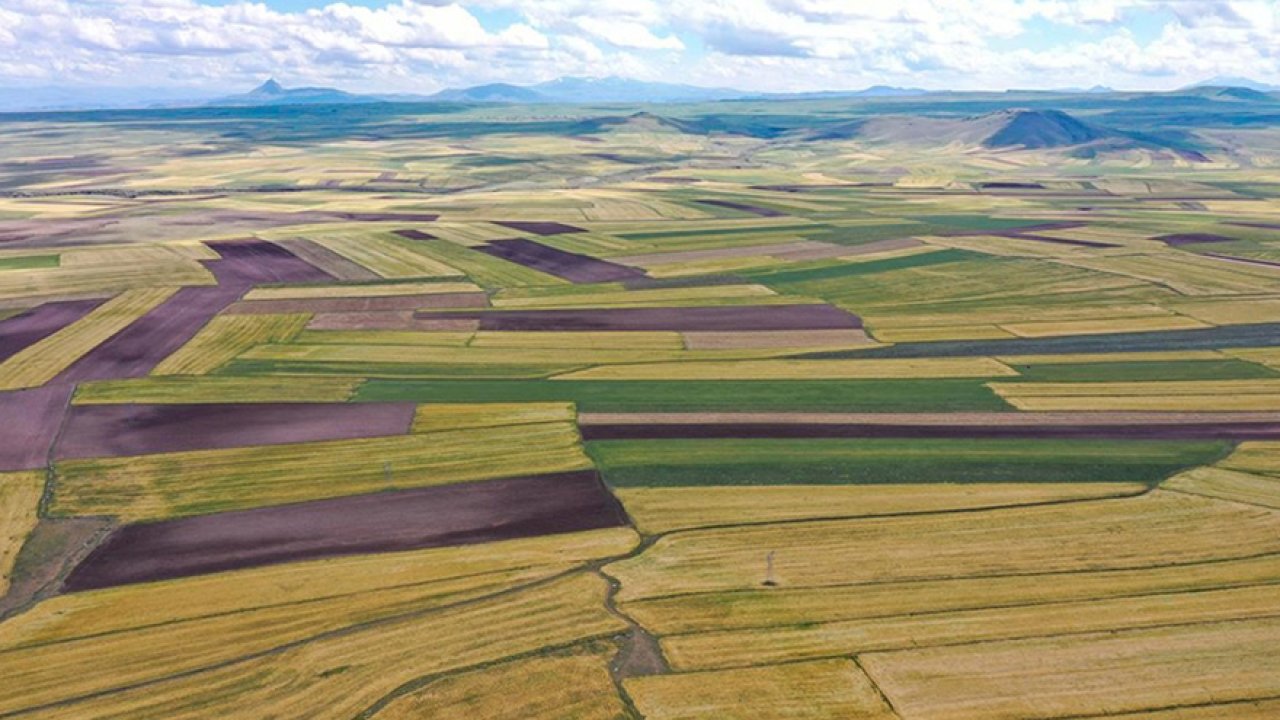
pixel 763 409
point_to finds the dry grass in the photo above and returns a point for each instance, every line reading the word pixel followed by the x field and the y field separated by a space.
pixel 1158 528
pixel 1103 673
pixel 19 506
pixel 386 257
pixel 336 675
pixel 594 297
pixel 41 362
pixel 150 487
pixel 1228 485
pixel 437 418
pixel 662 509
pixel 1183 396
pixel 902 632
pixel 225 337
pixel 310 292
pixel 570 684
pixel 1098 327
pixel 826 690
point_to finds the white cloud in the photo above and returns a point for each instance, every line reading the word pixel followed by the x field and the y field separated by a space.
pixel 421 45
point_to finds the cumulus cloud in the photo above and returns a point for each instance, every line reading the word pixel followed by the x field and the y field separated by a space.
pixel 421 45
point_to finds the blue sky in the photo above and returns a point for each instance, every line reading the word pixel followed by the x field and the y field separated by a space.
pixel 777 45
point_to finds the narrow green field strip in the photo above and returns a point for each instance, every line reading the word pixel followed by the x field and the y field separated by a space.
pixel 30 262
pixel 1144 371
pixel 673 463
pixel 850 270
pixel 672 396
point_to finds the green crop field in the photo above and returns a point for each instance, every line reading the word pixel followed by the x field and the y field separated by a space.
pixel 947 406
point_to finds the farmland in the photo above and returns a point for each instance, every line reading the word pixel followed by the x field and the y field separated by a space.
pixel 763 409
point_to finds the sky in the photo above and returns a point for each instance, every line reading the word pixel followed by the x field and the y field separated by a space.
pixel 420 46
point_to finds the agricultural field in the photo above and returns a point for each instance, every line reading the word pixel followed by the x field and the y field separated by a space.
pixel 765 409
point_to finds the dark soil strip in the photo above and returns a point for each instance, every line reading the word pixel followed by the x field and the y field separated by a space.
pixel 360 304
pixel 29 422
pixel 448 515
pixel 22 331
pixel 539 228
pixel 689 319
pixel 743 207
pixel 679 431
pixel 1258 225
pixel 570 266
pixel 1246 261
pixel 1230 336
pixel 1010 186
pixel 1042 227
pixel 414 235
pixel 1057 241
pixel 1180 239
pixel 136 350
pixel 251 262
pixel 120 430
pixel 328 260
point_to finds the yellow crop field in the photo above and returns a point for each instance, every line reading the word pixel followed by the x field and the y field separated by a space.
pixel 99 280
pixel 800 370
pixel 1257 457
pixel 225 337
pixel 720 612
pixel 1233 311
pixel 578 340
pixel 825 690
pixel 1228 485
pixel 384 256
pixel 341 674
pixel 1184 396
pixel 383 337
pixel 1103 673
pixel 311 292
pixel 662 509
pixel 120 609
pixel 204 481
pixel 437 418
pixel 894 334
pixel 19 505
pixel 1155 528
pixel 1096 327
pixel 211 389
pixel 41 362
pixel 902 632
pixel 789 340
pixel 1189 274
pixel 571 683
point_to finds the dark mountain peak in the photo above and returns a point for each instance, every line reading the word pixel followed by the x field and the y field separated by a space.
pixel 270 87
pixel 1041 129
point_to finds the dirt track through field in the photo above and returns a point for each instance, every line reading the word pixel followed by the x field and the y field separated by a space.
pixel 440 516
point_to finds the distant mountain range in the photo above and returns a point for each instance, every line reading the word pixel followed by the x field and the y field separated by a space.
pixel 567 90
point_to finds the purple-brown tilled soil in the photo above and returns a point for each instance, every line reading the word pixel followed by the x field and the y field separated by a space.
pixel 441 516
pixel 570 266
pixel 414 235
pixel 22 331
pixel 137 349
pixel 1188 431
pixel 1057 241
pixel 29 422
pixel 690 319
pixel 384 216
pixel 246 263
pixel 743 207
pixel 93 431
pixel 539 228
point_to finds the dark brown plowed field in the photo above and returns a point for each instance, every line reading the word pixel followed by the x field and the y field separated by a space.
pixel 382 522
pixel 677 431
pixel 29 421
pixel 539 228
pixel 743 207
pixel 384 216
pixel 251 262
pixel 136 350
pixel 690 319
pixel 1057 241
pixel 414 235
pixel 21 331
pixel 570 266
pixel 1180 239
pixel 360 304
pixel 120 430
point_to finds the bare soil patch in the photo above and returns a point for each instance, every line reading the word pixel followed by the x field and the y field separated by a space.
pixel 570 266
pixel 29 422
pixel 447 515
pixel 539 228
pixel 21 331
